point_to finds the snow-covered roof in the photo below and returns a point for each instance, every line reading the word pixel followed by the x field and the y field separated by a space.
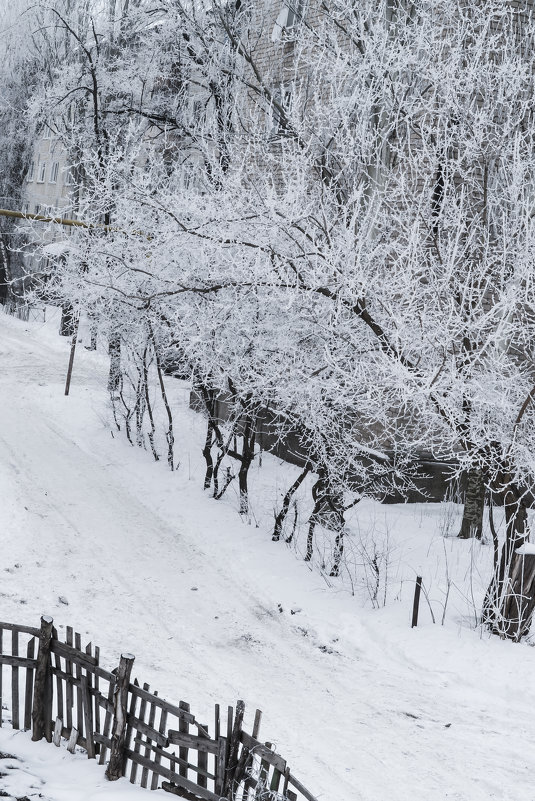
pixel 56 248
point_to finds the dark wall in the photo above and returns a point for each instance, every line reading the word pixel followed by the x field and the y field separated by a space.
pixel 433 480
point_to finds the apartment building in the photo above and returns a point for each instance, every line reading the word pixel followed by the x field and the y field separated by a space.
pixel 49 182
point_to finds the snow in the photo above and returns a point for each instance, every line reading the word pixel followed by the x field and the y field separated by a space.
pixel 526 549
pixel 138 559
pixel 56 248
pixel 38 770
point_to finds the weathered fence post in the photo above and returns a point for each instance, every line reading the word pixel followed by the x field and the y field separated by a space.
pixel 114 770
pixel 42 690
pixel 416 604
pixel 232 763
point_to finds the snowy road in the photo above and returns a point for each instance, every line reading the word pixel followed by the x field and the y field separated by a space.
pixel 362 707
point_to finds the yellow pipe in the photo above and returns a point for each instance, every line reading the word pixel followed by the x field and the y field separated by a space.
pixel 60 220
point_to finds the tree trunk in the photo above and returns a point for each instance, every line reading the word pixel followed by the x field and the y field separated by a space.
pixel 67 324
pixel 510 599
pixel 114 349
pixel 247 457
pixel 93 329
pixel 474 506
pixel 213 435
pixel 280 518
pixel 207 453
pixel 328 512
pixel 338 550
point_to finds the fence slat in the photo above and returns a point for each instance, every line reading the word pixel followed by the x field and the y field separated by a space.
pixel 73 739
pixel 21 629
pixel 87 695
pixel 58 728
pixel 15 681
pixel 156 749
pixel 101 740
pixel 161 731
pixel 30 652
pixel 217 723
pixel 88 718
pixel 17 661
pixel 221 765
pixel 96 722
pixel 149 731
pixel 286 780
pixel 181 714
pixel 59 687
pixel 202 761
pixel 78 672
pixel 145 771
pixel 275 780
pixel 239 773
pixel 249 770
pixel 107 722
pixel 68 652
pixel 175 778
pixel 263 773
pixel 1 669
pixel 130 724
pixel 230 721
pixel 183 728
pixel 69 699
pixel 232 763
pixel 192 741
pixel 264 751
pixel 142 709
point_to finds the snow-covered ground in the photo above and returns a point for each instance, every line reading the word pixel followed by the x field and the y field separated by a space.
pixel 362 706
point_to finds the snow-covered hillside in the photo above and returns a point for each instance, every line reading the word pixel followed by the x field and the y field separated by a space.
pixel 363 707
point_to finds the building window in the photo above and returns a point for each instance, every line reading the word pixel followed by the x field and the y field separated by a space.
pixel 295 12
pixel 31 170
pixel 25 208
pixel 69 177
pixel 42 171
pixel 289 17
pixel 37 209
pixel 47 133
pixel 54 172
pixel 282 101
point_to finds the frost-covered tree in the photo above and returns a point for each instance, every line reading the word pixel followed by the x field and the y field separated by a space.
pixel 390 189
pixel 353 245
pixel 408 129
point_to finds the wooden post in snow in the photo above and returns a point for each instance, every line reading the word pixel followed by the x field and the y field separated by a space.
pixel 416 604
pixel 114 770
pixel 42 691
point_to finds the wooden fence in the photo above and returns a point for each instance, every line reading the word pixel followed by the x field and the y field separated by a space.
pixel 23 311
pixel 59 690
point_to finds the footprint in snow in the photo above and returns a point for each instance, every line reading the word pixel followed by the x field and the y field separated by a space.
pixel 18 783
